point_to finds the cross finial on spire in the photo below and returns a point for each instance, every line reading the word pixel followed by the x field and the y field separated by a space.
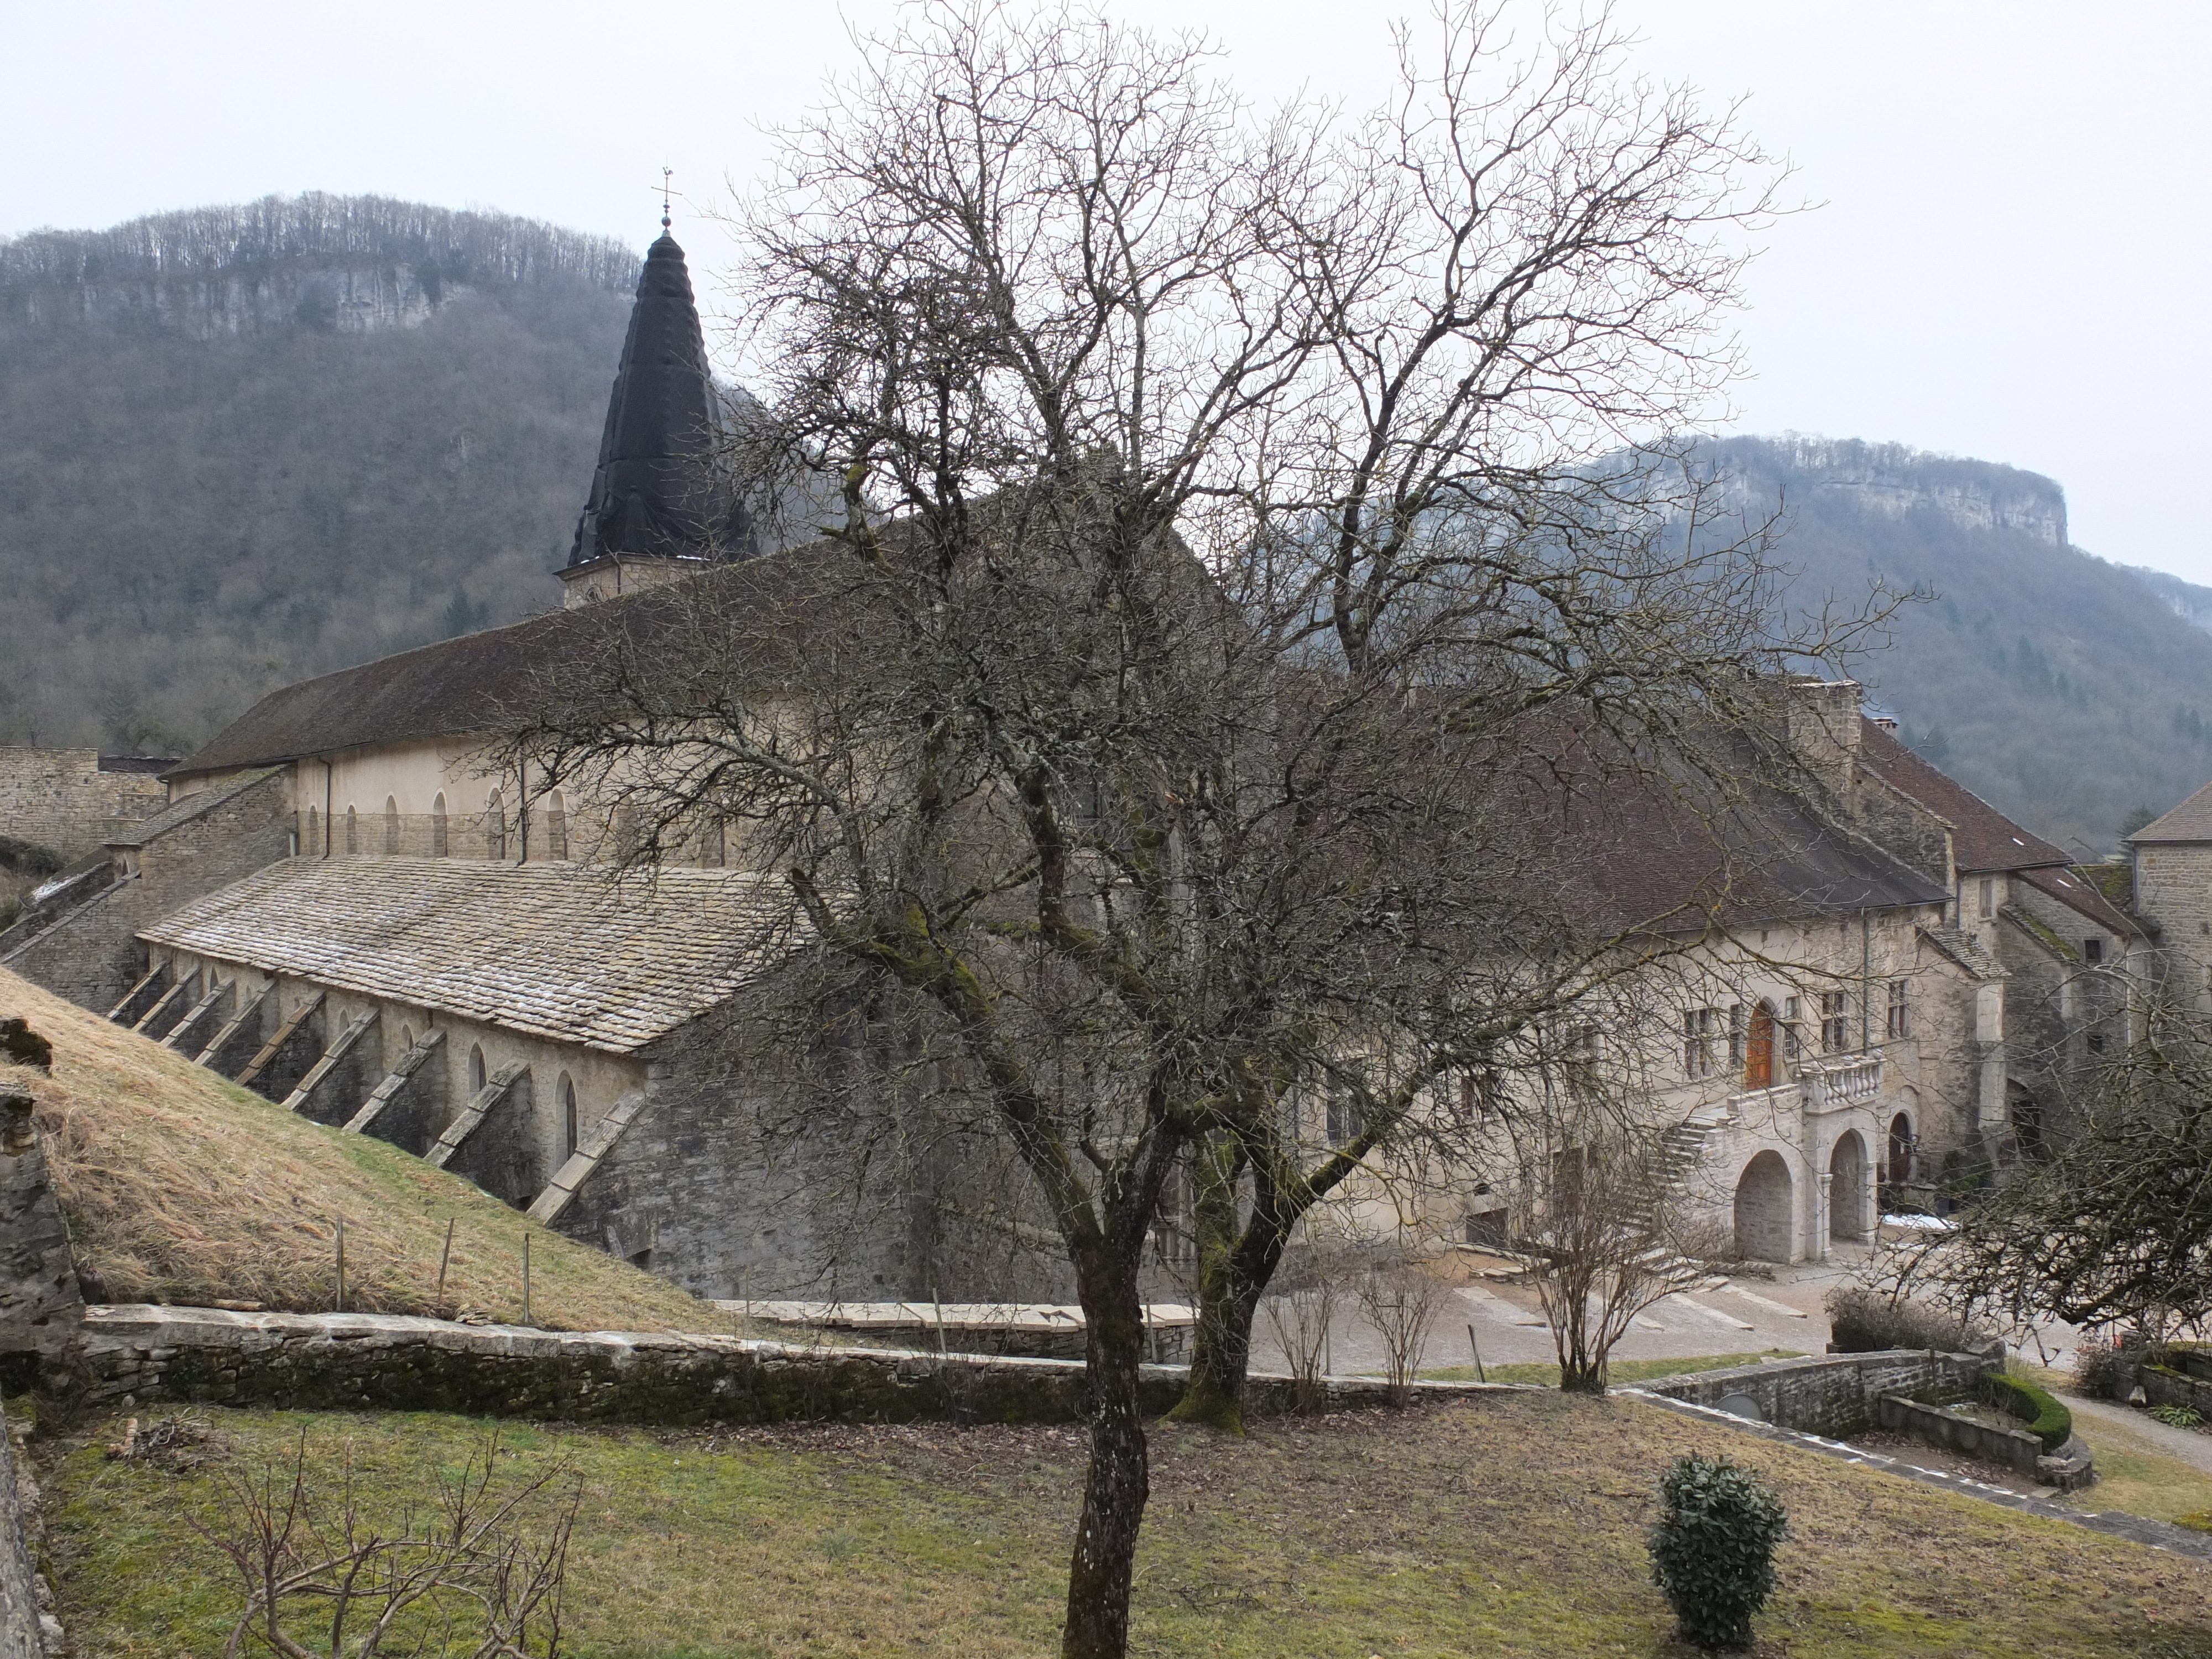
pixel 665 174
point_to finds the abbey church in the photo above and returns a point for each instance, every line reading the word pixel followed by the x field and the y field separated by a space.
pixel 343 903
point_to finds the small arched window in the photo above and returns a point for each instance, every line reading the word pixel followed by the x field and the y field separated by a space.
pixel 312 844
pixel 390 824
pixel 438 826
pixel 494 827
pixel 353 831
pixel 557 826
pixel 476 1068
pixel 565 1092
pixel 714 845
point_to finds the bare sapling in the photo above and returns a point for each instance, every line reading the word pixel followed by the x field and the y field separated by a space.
pixel 476 1570
pixel 1402 1302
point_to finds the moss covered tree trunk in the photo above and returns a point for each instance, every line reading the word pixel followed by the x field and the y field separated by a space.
pixel 1234 1266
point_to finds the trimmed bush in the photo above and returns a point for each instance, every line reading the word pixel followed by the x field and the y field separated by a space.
pixel 2042 1413
pixel 1712 1548
pixel 1865 1322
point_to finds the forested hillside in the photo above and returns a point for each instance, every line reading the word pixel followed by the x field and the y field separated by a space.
pixel 2062 688
pixel 241 445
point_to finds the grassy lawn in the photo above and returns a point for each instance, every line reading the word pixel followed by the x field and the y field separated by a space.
pixel 1508 1526
pixel 1621 1372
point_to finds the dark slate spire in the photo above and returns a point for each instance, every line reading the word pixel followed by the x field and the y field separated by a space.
pixel 655 492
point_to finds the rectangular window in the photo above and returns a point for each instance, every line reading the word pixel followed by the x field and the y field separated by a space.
pixel 1835 1023
pixel 1900 1022
pixel 1480 1093
pixel 1790 1048
pixel 1989 898
pixel 1698 1042
pixel 2092 951
pixel 2096 1043
pixel 1578 1059
pixel 1344 1121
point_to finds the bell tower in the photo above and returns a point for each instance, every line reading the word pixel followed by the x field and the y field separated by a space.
pixel 661 505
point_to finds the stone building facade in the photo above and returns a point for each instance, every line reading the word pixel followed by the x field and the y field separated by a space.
pixel 70 801
pixel 2171 871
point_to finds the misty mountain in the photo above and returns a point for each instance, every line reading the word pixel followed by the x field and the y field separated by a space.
pixel 2188 601
pixel 2066 690
pixel 240 444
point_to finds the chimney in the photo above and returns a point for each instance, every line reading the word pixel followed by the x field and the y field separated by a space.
pixel 1823 734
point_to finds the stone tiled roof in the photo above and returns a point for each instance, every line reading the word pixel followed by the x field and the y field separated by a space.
pixel 556 951
pixel 2077 893
pixel 1962 948
pixel 1982 838
pixel 486 684
pixel 2190 821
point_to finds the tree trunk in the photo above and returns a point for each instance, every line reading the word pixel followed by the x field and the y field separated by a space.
pixel 1119 1481
pixel 1227 1299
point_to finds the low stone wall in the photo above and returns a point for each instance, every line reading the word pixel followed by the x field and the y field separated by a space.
pixel 26 1632
pixel 2014 1448
pixel 2165 1385
pixel 1834 1395
pixel 2068 1469
pixel 141 1355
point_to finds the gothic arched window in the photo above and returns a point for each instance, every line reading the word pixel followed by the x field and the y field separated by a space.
pixel 390 824
pixel 494 827
pixel 312 843
pixel 438 826
pixel 353 830
pixel 476 1074
pixel 557 826
pixel 565 1092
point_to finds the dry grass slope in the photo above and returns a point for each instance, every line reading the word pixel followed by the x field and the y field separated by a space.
pixel 181 1187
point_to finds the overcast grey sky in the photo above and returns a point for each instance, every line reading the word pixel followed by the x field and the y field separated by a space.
pixel 2009 262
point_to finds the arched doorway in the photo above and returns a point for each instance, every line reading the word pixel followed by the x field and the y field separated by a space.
pixel 1758 1053
pixel 1847 1188
pixel 1900 1150
pixel 1763 1211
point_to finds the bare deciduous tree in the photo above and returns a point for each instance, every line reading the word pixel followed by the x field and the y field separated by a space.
pixel 1597 1204
pixel 1245 530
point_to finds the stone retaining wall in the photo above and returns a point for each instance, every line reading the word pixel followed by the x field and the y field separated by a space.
pixel 139 1355
pixel 1835 1394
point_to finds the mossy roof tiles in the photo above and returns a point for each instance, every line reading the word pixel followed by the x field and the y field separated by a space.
pixel 564 951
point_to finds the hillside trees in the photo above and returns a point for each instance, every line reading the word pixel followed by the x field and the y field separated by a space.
pixel 1221 581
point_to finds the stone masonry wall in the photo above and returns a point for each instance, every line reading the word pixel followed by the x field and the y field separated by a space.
pixel 93 956
pixel 1834 1395
pixel 2174 888
pixel 21 1634
pixel 65 800
pixel 139 1355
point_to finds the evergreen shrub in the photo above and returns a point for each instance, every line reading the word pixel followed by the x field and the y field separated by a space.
pixel 2042 1413
pixel 1712 1548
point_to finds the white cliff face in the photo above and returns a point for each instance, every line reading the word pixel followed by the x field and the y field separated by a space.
pixel 343 299
pixel 1894 479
